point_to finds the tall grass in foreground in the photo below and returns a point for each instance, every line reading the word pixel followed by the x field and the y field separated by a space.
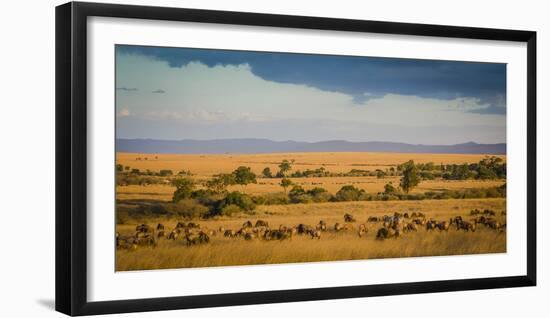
pixel 332 247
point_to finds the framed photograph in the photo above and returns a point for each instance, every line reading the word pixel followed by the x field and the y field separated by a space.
pixel 209 158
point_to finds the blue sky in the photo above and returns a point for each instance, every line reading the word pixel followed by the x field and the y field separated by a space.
pixel 180 93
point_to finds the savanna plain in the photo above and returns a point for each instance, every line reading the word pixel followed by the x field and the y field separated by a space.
pixel 180 211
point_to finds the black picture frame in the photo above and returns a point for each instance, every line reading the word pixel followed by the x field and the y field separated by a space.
pixel 71 157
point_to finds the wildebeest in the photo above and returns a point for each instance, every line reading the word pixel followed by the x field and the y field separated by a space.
pixel 193 225
pixel 338 227
pixel 322 226
pixel 303 228
pixel 430 225
pixel 314 234
pixel 143 228
pixel 261 223
pixel 230 233
pixel 277 235
pixel 373 219
pixel 247 224
pixel 348 218
pixel 195 239
pixel 160 227
pixel 443 226
pixel 384 233
pixel 173 235
pixel 410 227
pixel 466 226
pixel 180 225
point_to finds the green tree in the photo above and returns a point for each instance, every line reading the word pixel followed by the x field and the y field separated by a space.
pixel 285 167
pixel 285 183
pixel 184 189
pixel 220 182
pixel 410 178
pixel 119 168
pixel 267 173
pixel 244 176
pixel 389 188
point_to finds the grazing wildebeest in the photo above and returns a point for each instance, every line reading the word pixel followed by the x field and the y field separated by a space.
pixel 160 227
pixel 489 212
pixel 494 224
pixel 180 225
pixel 249 236
pixel 143 228
pixel 247 224
pixel 303 229
pixel 277 235
pixel 474 212
pixel 466 226
pixel 193 225
pixel 384 233
pixel 373 219
pixel 421 215
pixel 261 223
pixel 314 234
pixel 414 215
pixel 173 235
pixel 410 227
pixel 230 233
pixel 348 218
pixel 322 226
pixel 503 213
pixel 443 226
pixel 430 225
pixel 406 215
pixel 196 239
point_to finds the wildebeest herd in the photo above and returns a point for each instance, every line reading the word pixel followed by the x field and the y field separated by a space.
pixel 389 226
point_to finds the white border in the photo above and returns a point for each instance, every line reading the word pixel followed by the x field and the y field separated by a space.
pixel 105 284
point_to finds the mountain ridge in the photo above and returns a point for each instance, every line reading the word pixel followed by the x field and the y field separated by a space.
pixel 257 145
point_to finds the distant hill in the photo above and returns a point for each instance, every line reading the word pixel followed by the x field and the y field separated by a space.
pixel 216 146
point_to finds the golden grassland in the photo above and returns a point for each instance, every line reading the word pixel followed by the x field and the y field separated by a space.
pixel 333 184
pixel 332 246
pixel 210 164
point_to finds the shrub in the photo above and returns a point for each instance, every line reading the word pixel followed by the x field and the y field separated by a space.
pixel 230 210
pixel 188 208
pixel 349 193
pixel 241 200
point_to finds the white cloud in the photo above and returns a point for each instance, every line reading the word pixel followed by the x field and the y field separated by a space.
pixel 232 95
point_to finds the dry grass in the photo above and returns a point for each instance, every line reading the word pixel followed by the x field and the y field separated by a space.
pixel 208 165
pixel 332 246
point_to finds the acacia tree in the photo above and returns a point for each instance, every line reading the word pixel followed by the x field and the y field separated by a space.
pixel 267 173
pixel 184 189
pixel 284 167
pixel 244 176
pixel 220 182
pixel 410 178
pixel 285 183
